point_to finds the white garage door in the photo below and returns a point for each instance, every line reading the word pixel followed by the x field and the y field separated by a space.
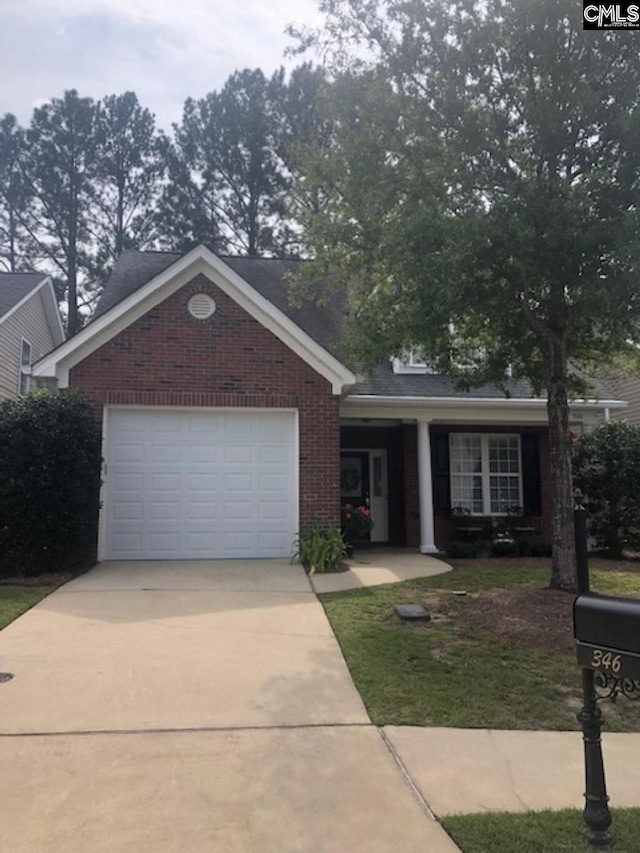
pixel 197 484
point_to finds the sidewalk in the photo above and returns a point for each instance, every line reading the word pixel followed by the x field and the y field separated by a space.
pixel 477 770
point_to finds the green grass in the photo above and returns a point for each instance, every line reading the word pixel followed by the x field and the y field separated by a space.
pixel 442 673
pixel 538 832
pixel 14 600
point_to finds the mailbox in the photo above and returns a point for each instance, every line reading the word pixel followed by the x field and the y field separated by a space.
pixel 607 633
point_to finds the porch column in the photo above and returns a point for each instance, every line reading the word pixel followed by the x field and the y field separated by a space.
pixel 425 487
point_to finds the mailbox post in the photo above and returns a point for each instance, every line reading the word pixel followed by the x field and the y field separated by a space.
pixel 607 633
pixel 596 814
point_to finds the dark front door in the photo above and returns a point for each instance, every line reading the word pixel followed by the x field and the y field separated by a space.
pixel 354 478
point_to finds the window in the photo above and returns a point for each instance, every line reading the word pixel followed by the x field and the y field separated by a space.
pixel 412 362
pixel 25 368
pixel 486 473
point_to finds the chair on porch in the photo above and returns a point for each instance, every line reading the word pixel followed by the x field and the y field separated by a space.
pixel 464 525
pixel 519 522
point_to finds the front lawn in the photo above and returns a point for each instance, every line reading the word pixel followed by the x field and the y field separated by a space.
pixel 500 656
pixel 538 832
pixel 14 600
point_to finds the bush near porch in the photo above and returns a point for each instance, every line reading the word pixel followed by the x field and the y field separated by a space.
pixel 49 484
pixel 500 656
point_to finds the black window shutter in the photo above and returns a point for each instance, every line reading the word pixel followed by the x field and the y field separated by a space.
pixel 440 466
pixel 530 445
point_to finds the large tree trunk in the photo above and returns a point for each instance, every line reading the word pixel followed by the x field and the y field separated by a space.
pixel 563 564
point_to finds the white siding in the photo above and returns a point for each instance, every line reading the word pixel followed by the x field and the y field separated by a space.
pixel 29 322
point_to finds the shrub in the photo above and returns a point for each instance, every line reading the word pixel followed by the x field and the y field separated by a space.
pixel 49 483
pixel 606 466
pixel 532 547
pixel 320 549
pixel 461 550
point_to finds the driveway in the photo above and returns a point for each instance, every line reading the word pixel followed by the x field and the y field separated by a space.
pixel 196 706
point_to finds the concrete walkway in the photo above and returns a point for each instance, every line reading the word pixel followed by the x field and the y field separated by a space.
pixel 478 770
pixel 194 707
pixel 381 565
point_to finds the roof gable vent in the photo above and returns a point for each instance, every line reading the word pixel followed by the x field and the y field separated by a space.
pixel 201 306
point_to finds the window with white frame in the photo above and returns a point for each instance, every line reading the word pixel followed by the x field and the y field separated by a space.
pixel 486 472
pixel 413 361
pixel 25 368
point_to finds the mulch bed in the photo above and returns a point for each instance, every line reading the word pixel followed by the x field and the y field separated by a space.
pixel 523 617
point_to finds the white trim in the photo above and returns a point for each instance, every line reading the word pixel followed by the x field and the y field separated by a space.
pixel 497 402
pixel 425 490
pixel 25 298
pixel 103 512
pixel 199 261
pixel 485 472
pixel 59 328
pixel 24 369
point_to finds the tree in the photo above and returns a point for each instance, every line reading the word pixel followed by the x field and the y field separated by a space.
pixel 225 175
pixel 606 465
pixel 12 196
pixel 58 167
pixel 129 169
pixel 483 196
pixel 306 131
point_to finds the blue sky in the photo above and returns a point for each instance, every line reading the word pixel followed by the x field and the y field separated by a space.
pixel 164 50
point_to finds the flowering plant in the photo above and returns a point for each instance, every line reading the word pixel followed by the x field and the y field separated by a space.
pixel 356 520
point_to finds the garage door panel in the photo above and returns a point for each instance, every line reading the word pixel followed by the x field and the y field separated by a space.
pixel 129 482
pixel 166 510
pixel 128 511
pixel 200 484
pixel 203 509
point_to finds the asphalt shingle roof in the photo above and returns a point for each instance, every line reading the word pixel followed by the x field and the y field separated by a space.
pixel 14 286
pixel 324 323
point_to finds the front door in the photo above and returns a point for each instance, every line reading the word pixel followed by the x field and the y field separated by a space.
pixel 363 482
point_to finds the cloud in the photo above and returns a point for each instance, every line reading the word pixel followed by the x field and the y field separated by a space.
pixel 164 51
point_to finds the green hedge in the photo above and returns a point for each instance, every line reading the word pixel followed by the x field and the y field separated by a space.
pixel 49 484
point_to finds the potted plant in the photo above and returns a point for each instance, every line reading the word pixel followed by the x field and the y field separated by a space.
pixel 356 522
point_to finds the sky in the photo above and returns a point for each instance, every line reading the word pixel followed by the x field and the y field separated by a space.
pixel 164 50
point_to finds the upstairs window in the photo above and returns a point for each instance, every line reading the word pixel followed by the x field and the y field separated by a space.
pixel 486 473
pixel 25 368
pixel 412 362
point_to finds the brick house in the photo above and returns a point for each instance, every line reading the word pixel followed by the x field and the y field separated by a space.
pixel 232 419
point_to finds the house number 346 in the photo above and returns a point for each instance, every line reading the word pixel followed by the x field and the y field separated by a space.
pixel 605 660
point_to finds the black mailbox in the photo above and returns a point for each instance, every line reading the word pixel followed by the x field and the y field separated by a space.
pixel 607 633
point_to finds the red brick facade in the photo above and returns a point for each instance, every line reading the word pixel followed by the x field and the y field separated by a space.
pixel 168 358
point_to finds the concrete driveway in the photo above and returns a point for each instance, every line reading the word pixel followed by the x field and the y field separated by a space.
pixel 196 706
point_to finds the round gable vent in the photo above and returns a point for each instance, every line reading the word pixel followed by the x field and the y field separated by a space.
pixel 201 306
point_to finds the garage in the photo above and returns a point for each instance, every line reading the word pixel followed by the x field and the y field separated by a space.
pixel 199 483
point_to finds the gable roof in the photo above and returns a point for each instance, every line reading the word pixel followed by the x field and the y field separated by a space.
pixel 324 324
pixel 268 276
pixel 17 288
pixel 141 280
pixel 14 286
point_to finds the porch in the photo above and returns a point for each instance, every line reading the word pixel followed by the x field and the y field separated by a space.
pixel 429 483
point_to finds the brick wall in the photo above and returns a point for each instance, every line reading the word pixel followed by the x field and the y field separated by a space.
pixel 168 358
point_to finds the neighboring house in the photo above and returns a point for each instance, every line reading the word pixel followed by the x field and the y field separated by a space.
pixel 628 389
pixel 30 327
pixel 231 420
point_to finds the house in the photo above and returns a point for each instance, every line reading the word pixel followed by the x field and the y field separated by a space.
pixel 30 327
pixel 232 419
pixel 627 388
